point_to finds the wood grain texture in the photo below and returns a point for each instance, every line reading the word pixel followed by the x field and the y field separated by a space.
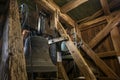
pixel 105 6
pixel 17 66
pixel 115 35
pixel 114 22
pixel 62 71
pixel 51 7
pixel 82 65
pixel 71 5
pixel 100 63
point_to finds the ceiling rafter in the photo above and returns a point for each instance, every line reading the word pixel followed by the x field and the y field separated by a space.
pixel 105 6
pixel 71 5
pixel 52 7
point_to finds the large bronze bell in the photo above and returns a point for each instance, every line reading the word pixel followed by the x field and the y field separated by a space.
pixel 37 55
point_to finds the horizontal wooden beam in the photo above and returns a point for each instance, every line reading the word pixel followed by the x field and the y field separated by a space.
pixel 113 4
pixel 97 20
pixel 51 7
pixel 83 28
pixel 106 54
pixel 101 55
pixel 114 22
pixel 105 78
pixel 95 15
pixel 100 19
pixel 71 5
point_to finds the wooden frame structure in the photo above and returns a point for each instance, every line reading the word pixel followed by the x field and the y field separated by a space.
pixel 50 5
pixel 59 14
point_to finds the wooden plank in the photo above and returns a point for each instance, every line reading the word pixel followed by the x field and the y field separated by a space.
pixel 107 70
pixel 62 70
pixel 98 20
pixel 92 22
pixel 105 6
pixel 101 55
pixel 115 35
pixel 84 28
pixel 95 15
pixel 113 4
pixel 106 78
pixel 106 54
pixel 71 5
pixel 82 65
pixel 17 67
pixel 51 7
pixel 114 22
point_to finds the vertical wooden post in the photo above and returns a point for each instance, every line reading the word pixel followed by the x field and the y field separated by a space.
pixel 61 67
pixel 17 67
pixel 115 35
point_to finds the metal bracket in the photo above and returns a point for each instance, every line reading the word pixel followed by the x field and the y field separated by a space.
pixel 55 40
pixel 80 43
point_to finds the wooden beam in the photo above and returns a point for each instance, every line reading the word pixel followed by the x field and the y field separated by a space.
pixel 71 5
pixel 100 63
pixel 113 4
pixel 62 71
pixel 75 52
pixel 82 65
pixel 95 15
pixel 83 28
pixel 106 54
pixel 105 78
pixel 105 6
pixel 114 22
pixel 98 20
pixel 101 55
pixel 50 6
pixel 17 67
pixel 115 35
pixel 95 21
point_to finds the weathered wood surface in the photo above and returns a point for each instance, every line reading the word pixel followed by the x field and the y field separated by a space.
pixel 82 65
pixel 105 49
pixel 114 22
pixel 97 21
pixel 113 4
pixel 100 63
pixel 71 5
pixel 105 6
pixel 115 35
pixel 62 71
pixel 51 7
pixel 17 66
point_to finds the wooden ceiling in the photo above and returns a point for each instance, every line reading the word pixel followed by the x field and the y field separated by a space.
pixel 82 9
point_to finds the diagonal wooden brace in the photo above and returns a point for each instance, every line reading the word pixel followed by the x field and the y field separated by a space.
pixel 103 33
pixel 82 65
pixel 100 63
